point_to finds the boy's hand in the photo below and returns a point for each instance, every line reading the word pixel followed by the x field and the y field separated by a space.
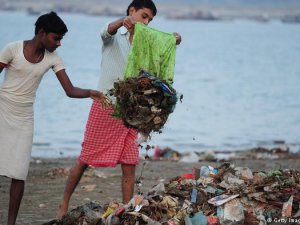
pixel 178 38
pixel 100 97
pixel 129 22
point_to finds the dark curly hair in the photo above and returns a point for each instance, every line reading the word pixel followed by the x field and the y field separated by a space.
pixel 139 4
pixel 50 23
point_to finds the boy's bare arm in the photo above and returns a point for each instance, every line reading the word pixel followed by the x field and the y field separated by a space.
pixel 127 22
pixel 76 92
pixel 114 26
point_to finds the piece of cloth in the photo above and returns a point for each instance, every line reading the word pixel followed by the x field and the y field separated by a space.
pixel 153 51
pixel 17 96
pixel 107 142
pixel 115 49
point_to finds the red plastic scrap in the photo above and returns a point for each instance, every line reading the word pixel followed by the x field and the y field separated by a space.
pixel 186 176
pixel 212 220
pixel 120 211
pixel 287 208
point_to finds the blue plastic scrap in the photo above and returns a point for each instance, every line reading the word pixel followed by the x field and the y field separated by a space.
pixel 198 219
pixel 194 195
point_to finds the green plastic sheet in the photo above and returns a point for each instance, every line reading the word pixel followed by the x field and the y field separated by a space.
pixel 153 51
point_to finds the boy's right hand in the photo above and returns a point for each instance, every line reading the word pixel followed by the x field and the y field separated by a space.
pixel 101 98
pixel 129 22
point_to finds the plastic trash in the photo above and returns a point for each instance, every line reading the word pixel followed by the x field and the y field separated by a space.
pixel 221 199
pixel 186 176
pixel 232 213
pixel 173 222
pixel 194 195
pixel 287 207
pixel 205 180
pixel 156 190
pixel 212 220
pixel 244 173
pixel 108 211
pixel 198 219
pixel 120 211
pixel 210 189
pixel 145 218
pixel 204 171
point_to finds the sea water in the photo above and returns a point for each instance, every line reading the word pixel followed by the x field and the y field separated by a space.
pixel 240 82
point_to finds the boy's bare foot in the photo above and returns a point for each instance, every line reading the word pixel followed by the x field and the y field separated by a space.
pixel 62 211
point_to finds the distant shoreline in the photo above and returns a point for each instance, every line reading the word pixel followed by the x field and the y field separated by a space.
pixel 259 12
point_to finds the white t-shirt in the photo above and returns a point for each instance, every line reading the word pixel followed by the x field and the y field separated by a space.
pixel 22 78
pixel 115 52
pixel 17 95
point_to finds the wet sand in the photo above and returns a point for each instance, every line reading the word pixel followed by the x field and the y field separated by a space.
pixel 47 178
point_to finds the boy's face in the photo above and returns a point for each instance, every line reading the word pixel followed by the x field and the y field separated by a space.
pixel 52 41
pixel 143 15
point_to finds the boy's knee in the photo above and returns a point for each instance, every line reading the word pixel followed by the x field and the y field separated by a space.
pixel 128 171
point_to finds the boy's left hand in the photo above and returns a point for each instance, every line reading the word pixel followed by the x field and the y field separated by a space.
pixel 178 38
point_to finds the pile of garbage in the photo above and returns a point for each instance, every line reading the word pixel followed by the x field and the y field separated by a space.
pixel 144 102
pixel 226 195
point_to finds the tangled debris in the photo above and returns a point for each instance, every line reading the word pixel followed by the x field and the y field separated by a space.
pixel 226 195
pixel 144 102
pixel 89 213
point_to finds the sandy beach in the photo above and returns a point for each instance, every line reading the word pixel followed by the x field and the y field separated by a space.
pixel 47 177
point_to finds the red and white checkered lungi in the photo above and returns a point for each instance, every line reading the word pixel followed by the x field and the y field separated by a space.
pixel 107 142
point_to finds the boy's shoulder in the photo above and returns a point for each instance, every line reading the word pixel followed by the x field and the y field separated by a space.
pixel 13 46
pixel 15 43
pixel 19 42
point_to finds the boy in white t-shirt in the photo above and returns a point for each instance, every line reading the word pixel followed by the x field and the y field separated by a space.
pixel 25 63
